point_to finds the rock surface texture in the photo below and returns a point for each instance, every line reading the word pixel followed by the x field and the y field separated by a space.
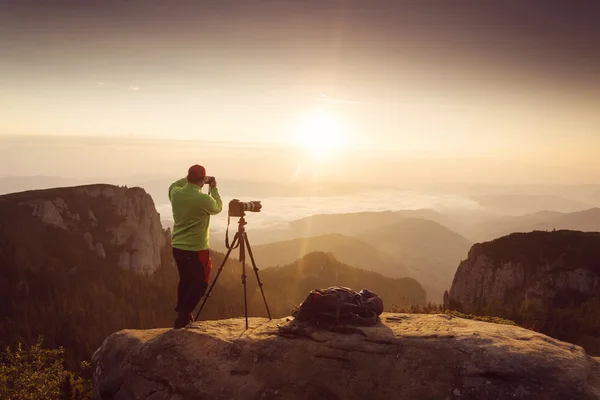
pixel 541 266
pixel 114 223
pixel 405 356
pixel 549 281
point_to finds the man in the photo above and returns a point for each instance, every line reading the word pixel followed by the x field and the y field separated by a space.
pixel 190 238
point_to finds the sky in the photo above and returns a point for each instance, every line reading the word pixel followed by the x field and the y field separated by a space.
pixel 381 90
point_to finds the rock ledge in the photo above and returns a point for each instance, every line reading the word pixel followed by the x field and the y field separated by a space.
pixel 406 356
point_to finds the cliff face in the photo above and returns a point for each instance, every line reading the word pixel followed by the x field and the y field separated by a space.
pixel 405 356
pixel 83 223
pixel 548 281
pixel 78 263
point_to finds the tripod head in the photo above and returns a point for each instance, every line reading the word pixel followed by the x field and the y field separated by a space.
pixel 241 230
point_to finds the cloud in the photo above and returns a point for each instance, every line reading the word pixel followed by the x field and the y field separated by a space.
pixel 134 88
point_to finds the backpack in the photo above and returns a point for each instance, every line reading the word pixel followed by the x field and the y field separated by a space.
pixel 338 304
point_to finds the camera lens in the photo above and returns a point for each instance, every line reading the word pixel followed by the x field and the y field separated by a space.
pixel 252 206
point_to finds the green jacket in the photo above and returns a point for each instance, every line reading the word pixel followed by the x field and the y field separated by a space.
pixel 191 212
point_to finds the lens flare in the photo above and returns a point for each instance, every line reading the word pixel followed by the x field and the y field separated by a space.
pixel 320 134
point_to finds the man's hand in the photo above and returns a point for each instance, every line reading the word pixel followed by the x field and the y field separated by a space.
pixel 213 183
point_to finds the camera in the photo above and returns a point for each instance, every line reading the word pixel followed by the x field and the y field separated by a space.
pixel 208 179
pixel 238 208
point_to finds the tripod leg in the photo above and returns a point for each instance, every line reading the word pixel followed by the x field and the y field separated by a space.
pixel 236 238
pixel 260 285
pixel 243 261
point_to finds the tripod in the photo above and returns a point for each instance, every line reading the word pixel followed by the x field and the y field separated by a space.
pixel 240 239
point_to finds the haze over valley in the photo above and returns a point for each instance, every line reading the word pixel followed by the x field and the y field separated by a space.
pixel 398 232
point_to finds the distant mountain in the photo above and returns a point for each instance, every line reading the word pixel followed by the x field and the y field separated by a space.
pixel 429 249
pixel 586 221
pixel 459 221
pixel 418 236
pixel 498 226
pixel 423 213
pixel 521 204
pixel 348 223
pixel 349 250
pixel 285 287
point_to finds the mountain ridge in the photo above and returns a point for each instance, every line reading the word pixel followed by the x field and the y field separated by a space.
pixel 317 267
pixel 347 249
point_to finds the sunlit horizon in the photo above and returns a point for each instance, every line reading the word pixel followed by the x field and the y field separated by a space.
pixel 282 93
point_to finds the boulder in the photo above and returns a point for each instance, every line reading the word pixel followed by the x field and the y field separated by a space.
pixel 405 356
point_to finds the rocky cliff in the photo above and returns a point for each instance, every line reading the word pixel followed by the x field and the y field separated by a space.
pixel 403 357
pixel 548 281
pixel 79 263
pixel 116 224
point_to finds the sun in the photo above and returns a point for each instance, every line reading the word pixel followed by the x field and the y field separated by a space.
pixel 320 133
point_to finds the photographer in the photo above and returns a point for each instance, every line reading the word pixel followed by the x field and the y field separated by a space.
pixel 190 238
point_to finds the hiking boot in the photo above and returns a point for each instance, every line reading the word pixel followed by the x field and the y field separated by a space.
pixel 178 324
pixel 183 320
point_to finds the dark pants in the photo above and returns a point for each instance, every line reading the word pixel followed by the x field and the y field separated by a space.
pixel 194 274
